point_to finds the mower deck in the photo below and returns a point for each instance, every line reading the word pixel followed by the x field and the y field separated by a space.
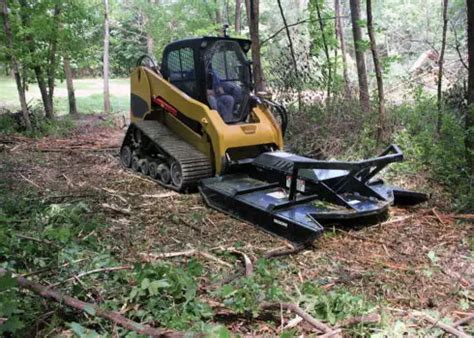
pixel 289 195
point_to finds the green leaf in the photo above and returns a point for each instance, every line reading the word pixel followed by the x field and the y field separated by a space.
pixel 157 284
pixel 13 324
pixel 145 284
pixel 220 332
pixel 432 256
pixel 7 282
pixel 89 309
pixel 227 290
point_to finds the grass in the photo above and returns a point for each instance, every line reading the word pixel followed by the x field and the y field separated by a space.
pixel 88 95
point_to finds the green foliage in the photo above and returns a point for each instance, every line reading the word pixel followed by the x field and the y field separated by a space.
pixel 13 123
pixel 8 124
pixel 246 294
pixel 335 305
pixel 167 294
pixel 443 156
pixel 10 307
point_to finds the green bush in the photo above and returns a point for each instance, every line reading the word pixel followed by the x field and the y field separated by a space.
pixel 167 294
pixel 442 156
pixel 246 294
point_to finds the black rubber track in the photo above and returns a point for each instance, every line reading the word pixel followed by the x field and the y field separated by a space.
pixel 194 164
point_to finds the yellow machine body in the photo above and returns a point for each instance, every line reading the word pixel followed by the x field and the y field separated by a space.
pixel 213 137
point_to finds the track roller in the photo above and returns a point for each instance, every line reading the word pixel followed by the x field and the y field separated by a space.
pixel 126 156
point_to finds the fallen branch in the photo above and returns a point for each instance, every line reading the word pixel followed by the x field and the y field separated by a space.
pixel 438 216
pixel 247 262
pixel 38 240
pixel 464 320
pixel 464 217
pixel 445 327
pixel 150 256
pixel 31 182
pixel 90 308
pixel 320 326
pixel 115 208
pixel 83 274
pixel 292 251
pixel 213 258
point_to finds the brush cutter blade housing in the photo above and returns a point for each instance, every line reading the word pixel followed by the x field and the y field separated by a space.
pixel 291 195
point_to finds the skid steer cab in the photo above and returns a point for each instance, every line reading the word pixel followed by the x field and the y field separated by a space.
pixel 196 122
pixel 202 93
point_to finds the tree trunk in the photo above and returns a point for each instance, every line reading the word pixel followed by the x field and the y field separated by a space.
pixel 326 52
pixel 39 74
pixel 14 64
pixel 218 12
pixel 359 54
pixel 238 14
pixel 290 42
pixel 48 109
pixel 70 86
pixel 293 57
pixel 149 38
pixel 382 125
pixel 149 44
pixel 252 7
pixel 52 61
pixel 106 58
pixel 440 68
pixel 469 140
pixel 342 42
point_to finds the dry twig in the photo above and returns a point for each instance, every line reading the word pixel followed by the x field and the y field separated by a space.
pixel 445 327
pixel 91 272
pixel 31 182
pixel 320 326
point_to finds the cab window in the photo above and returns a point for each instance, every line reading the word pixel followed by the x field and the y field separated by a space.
pixel 181 70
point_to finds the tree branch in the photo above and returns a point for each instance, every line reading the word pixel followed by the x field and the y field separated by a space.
pixel 295 24
pixel 90 308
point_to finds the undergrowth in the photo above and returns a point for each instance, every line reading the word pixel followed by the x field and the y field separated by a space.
pixel 13 124
pixel 341 130
pixel 56 239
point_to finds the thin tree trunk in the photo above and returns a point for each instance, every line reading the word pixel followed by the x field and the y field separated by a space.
pixel 326 52
pixel 290 42
pixel 382 125
pixel 359 54
pixel 39 74
pixel 149 38
pixel 106 58
pixel 342 42
pixel 238 14
pixel 252 7
pixel 52 61
pixel 70 86
pixel 48 109
pixel 293 57
pixel 440 69
pixel 14 64
pixel 469 139
pixel 218 12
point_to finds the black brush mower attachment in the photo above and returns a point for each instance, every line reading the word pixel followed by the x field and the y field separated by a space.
pixel 290 195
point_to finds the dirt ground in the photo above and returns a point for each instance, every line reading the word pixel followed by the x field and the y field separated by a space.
pixel 419 259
